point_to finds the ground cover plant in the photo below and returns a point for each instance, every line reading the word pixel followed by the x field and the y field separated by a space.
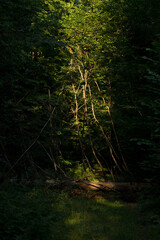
pixel 79 99
pixel 39 213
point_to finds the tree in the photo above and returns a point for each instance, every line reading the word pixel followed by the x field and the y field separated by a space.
pixel 92 43
pixel 30 61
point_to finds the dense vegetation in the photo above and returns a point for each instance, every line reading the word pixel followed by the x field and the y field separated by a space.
pixel 79 90
pixel 32 213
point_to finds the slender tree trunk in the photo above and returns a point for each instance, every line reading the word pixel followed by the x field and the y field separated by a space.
pixel 51 133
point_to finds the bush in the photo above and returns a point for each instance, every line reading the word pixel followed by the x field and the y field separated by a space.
pixel 25 215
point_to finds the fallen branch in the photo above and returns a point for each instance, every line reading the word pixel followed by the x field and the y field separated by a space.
pixel 103 186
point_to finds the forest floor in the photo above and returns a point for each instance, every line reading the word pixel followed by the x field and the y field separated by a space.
pixel 31 212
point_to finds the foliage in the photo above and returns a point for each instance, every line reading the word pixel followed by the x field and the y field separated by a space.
pixel 92 41
pixel 30 61
pixel 79 88
pixel 149 198
pixel 24 214
pixel 28 213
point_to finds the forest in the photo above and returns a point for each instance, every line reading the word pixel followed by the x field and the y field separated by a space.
pixel 79 102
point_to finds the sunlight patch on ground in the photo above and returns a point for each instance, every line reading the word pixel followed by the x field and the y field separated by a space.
pixel 74 219
pixel 109 203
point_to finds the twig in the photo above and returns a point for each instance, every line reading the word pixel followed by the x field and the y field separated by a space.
pixel 111 149
pixel 114 130
pixel 23 154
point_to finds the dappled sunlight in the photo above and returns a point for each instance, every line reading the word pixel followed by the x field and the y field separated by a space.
pixel 113 204
pixel 80 114
pixel 85 219
pixel 75 218
pixel 57 216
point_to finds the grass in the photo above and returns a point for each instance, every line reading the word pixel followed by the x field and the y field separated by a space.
pixel 36 214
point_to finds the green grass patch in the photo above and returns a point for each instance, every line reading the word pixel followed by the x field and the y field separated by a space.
pixel 36 214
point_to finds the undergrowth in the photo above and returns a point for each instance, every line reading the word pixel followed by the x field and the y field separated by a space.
pixel 29 213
